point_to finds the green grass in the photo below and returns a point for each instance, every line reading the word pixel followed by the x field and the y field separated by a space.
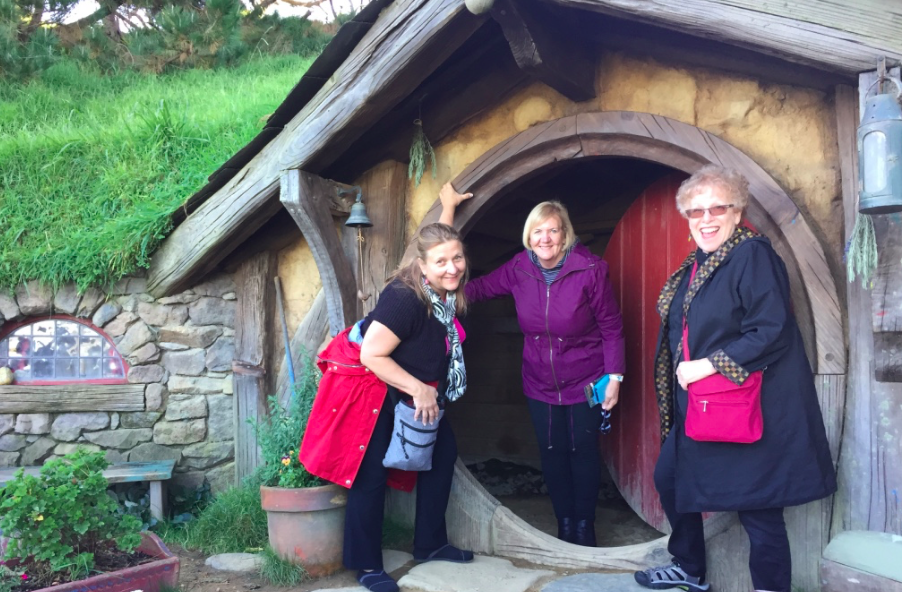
pixel 234 522
pixel 92 166
pixel 279 572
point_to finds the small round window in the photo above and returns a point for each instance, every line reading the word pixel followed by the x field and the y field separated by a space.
pixel 60 350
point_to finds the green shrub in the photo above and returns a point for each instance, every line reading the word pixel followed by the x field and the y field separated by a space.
pixel 62 516
pixel 279 434
pixel 233 522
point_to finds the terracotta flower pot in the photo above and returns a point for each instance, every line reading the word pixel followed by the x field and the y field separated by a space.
pixel 147 577
pixel 306 526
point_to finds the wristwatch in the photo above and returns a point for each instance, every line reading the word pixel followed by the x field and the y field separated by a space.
pixel 617 377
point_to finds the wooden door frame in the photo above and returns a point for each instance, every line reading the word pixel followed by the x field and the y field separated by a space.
pixel 683 147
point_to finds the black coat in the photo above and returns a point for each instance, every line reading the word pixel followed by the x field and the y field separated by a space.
pixel 744 310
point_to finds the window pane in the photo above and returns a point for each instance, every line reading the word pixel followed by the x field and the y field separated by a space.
pixel 4 348
pixel 42 368
pixel 87 331
pixel 66 328
pixel 22 370
pixel 26 330
pixel 874 162
pixel 106 347
pixel 90 346
pixel 66 369
pixel 66 346
pixel 112 368
pixel 90 367
pixel 4 363
pixel 43 346
pixel 19 346
pixel 43 328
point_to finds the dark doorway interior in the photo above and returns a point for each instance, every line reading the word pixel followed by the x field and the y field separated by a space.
pixel 494 432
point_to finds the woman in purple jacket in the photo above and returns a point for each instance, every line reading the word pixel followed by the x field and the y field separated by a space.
pixel 572 336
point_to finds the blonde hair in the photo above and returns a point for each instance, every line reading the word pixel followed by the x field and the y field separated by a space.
pixel 541 213
pixel 733 184
pixel 410 275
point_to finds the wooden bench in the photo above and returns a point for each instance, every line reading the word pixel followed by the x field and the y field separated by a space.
pixel 155 472
pixel 862 561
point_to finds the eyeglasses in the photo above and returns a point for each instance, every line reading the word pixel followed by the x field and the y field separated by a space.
pixel 714 211
pixel 605 427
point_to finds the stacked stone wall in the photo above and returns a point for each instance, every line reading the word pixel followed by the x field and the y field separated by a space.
pixel 180 347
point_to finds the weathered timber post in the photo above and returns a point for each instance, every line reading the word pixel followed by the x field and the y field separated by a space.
pixel 309 198
pixel 252 366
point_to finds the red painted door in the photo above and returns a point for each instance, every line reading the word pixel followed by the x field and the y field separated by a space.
pixel 648 244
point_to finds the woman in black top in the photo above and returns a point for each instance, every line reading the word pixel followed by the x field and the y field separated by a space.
pixel 737 309
pixel 412 342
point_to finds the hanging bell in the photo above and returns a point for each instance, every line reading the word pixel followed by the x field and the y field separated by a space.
pixel 358 217
pixel 879 153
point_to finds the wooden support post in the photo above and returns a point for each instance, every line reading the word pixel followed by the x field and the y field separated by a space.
pixel 544 50
pixel 307 198
pixel 252 376
pixel 158 499
pixel 385 195
pixel 870 462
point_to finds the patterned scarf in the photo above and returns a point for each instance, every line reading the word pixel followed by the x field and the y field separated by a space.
pixel 666 361
pixel 445 311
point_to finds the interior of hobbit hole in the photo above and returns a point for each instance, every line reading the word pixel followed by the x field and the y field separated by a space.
pixel 606 198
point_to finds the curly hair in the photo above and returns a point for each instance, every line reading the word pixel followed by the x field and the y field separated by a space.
pixel 733 186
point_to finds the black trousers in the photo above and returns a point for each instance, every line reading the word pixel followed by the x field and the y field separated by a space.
pixel 571 463
pixel 366 498
pixel 770 563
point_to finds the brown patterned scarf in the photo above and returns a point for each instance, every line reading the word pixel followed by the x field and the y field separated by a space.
pixel 665 362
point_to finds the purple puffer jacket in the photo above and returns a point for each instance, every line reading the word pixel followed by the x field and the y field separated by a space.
pixel 572 330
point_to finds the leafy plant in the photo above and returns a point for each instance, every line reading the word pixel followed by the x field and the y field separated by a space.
pixel 279 434
pixel 281 572
pixel 62 516
pixel 10 578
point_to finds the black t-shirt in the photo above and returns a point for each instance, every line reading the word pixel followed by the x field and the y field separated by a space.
pixel 423 351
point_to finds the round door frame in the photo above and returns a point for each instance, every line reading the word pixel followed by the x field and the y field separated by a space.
pixel 479 521
pixel 683 147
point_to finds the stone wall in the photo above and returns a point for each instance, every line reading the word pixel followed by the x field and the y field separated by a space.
pixel 181 347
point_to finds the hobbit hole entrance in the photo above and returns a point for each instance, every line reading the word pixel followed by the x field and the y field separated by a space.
pixel 495 434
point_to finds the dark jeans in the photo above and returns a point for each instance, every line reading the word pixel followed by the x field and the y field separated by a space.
pixel 770 563
pixel 571 464
pixel 366 498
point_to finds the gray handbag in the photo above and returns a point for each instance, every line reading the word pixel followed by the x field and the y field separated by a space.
pixel 412 441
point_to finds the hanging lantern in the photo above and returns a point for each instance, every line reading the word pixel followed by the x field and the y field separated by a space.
pixel 880 151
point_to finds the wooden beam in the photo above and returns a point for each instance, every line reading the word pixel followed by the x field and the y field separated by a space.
pixel 252 376
pixel 542 48
pixel 830 34
pixel 306 197
pixel 71 398
pixel 410 39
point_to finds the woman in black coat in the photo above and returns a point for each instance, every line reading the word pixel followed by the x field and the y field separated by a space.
pixel 733 293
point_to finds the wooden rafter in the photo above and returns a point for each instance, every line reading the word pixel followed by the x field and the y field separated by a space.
pixel 543 49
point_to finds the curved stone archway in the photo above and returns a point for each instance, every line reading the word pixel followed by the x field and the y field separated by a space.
pixel 479 521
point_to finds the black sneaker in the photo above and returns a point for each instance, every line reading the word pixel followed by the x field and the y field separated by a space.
pixel 669 576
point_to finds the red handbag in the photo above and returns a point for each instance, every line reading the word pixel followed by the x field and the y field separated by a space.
pixel 720 410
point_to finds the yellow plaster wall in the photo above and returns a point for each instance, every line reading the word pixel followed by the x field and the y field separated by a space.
pixel 789 131
pixel 300 282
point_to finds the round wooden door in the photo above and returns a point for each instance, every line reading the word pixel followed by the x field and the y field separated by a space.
pixel 648 244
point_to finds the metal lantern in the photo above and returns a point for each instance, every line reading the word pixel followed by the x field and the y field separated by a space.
pixel 879 153
pixel 358 217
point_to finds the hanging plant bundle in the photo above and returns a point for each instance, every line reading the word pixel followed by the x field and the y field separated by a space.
pixel 420 150
pixel 861 252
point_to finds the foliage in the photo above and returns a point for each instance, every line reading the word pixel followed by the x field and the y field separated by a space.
pixel 281 572
pixel 187 504
pixel 420 150
pixel 233 522
pixel 861 251
pixel 396 535
pixel 63 515
pixel 94 166
pixel 10 579
pixel 279 434
pixel 147 35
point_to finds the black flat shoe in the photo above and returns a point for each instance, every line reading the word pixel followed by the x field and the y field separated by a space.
pixel 565 530
pixel 377 581
pixel 447 553
pixel 585 533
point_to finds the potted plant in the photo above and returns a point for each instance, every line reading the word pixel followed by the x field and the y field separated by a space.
pixel 305 515
pixel 63 527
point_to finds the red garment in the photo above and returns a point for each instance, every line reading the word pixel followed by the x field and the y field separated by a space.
pixel 344 415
